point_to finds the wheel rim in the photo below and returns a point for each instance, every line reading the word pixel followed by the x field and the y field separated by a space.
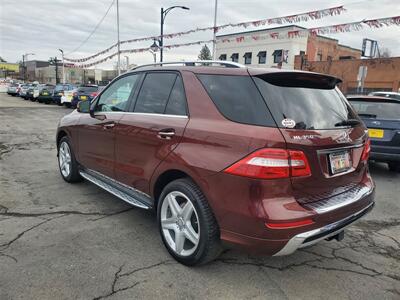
pixel 180 223
pixel 64 159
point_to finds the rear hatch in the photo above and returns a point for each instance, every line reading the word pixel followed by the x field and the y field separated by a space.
pixel 382 117
pixel 315 117
pixel 87 92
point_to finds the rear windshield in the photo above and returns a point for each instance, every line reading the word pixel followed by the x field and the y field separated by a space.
pixel 304 104
pixel 237 99
pixel 393 96
pixel 379 110
pixel 87 89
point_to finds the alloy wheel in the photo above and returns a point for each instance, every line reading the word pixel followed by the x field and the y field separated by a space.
pixel 64 159
pixel 180 223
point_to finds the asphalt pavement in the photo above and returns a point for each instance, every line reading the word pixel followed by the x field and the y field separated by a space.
pixel 76 241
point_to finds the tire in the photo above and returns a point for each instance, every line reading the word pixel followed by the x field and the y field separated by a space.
pixel 72 174
pixel 394 166
pixel 200 224
pixel 67 105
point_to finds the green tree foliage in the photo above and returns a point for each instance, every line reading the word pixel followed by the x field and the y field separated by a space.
pixel 205 53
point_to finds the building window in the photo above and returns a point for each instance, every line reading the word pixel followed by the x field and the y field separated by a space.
pixel 247 58
pixel 262 57
pixel 277 56
pixel 235 57
pixel 319 55
pixel 222 57
pixel 302 53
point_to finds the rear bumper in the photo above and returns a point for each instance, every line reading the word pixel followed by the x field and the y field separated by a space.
pixel 311 237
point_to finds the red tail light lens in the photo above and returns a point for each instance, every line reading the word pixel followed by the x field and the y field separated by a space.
pixel 289 224
pixel 366 151
pixel 94 94
pixel 271 163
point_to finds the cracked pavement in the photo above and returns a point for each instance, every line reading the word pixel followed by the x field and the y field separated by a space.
pixel 62 241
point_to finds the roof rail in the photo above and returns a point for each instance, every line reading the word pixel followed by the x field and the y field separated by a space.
pixel 194 63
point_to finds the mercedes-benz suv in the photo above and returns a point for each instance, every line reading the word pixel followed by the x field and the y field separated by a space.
pixel 266 160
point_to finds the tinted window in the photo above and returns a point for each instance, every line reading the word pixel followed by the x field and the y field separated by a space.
pixel 237 98
pixel 310 108
pixel 177 100
pixel 380 110
pixel 87 89
pixel 155 91
pixel 116 96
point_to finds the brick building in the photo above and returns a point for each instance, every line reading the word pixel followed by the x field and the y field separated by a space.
pixel 383 74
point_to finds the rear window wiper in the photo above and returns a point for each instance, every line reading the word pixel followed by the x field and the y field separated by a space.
pixel 367 115
pixel 348 122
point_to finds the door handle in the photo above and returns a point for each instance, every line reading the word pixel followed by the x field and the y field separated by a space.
pixel 166 134
pixel 108 125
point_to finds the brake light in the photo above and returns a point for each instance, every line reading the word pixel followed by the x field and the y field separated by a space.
pixel 272 163
pixel 289 224
pixel 94 94
pixel 367 150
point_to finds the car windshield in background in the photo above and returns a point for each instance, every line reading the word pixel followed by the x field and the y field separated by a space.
pixel 379 110
pixel 392 96
pixel 87 89
pixel 305 107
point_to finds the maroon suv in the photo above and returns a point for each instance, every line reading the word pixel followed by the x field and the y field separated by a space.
pixel 264 159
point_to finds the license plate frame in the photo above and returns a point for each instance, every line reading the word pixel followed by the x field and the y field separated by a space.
pixel 376 133
pixel 340 161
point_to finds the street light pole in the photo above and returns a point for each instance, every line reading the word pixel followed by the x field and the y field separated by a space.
pixel 119 48
pixel 163 15
pixel 127 62
pixel 63 68
pixel 215 32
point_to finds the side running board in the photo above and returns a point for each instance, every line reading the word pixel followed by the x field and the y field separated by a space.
pixel 122 191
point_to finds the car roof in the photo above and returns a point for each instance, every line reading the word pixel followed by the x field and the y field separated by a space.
pixel 372 98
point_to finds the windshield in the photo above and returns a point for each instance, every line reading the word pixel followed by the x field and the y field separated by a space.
pixel 308 107
pixel 379 110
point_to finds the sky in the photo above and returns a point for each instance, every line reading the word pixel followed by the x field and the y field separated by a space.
pixel 44 26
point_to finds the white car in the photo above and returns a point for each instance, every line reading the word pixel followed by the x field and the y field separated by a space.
pixel 67 97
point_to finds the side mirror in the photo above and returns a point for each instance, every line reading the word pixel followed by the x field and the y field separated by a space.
pixel 83 106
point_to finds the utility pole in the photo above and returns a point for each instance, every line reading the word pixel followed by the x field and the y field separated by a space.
pixel 23 67
pixel 119 44
pixel 54 61
pixel 215 31
pixel 63 69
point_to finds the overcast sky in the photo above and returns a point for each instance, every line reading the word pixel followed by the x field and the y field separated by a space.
pixel 43 26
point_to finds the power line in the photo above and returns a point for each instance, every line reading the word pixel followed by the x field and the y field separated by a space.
pixel 94 30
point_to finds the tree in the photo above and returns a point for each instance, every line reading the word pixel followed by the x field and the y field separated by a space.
pixel 205 53
pixel 2 59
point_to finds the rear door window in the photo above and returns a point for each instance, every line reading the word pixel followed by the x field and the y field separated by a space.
pixel 155 92
pixel 237 99
pixel 304 103
pixel 177 100
pixel 378 110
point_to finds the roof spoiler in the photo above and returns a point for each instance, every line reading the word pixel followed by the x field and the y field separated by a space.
pixel 300 79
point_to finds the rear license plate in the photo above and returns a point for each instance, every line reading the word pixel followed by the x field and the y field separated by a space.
pixel 376 133
pixel 45 94
pixel 83 97
pixel 340 162
pixel 69 98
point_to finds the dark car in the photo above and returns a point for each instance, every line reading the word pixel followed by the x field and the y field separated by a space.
pixel 382 117
pixel 84 93
pixel 59 92
pixel 46 94
pixel 262 159
pixel 29 93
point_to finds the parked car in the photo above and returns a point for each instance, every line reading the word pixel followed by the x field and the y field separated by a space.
pixel 391 95
pixel 84 93
pixel 29 92
pixel 46 94
pixel 24 88
pixel 67 96
pixel 382 117
pixel 268 160
pixel 13 89
pixel 59 91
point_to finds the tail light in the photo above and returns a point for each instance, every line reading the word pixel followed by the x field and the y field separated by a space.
pixel 272 163
pixel 94 94
pixel 287 225
pixel 366 151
